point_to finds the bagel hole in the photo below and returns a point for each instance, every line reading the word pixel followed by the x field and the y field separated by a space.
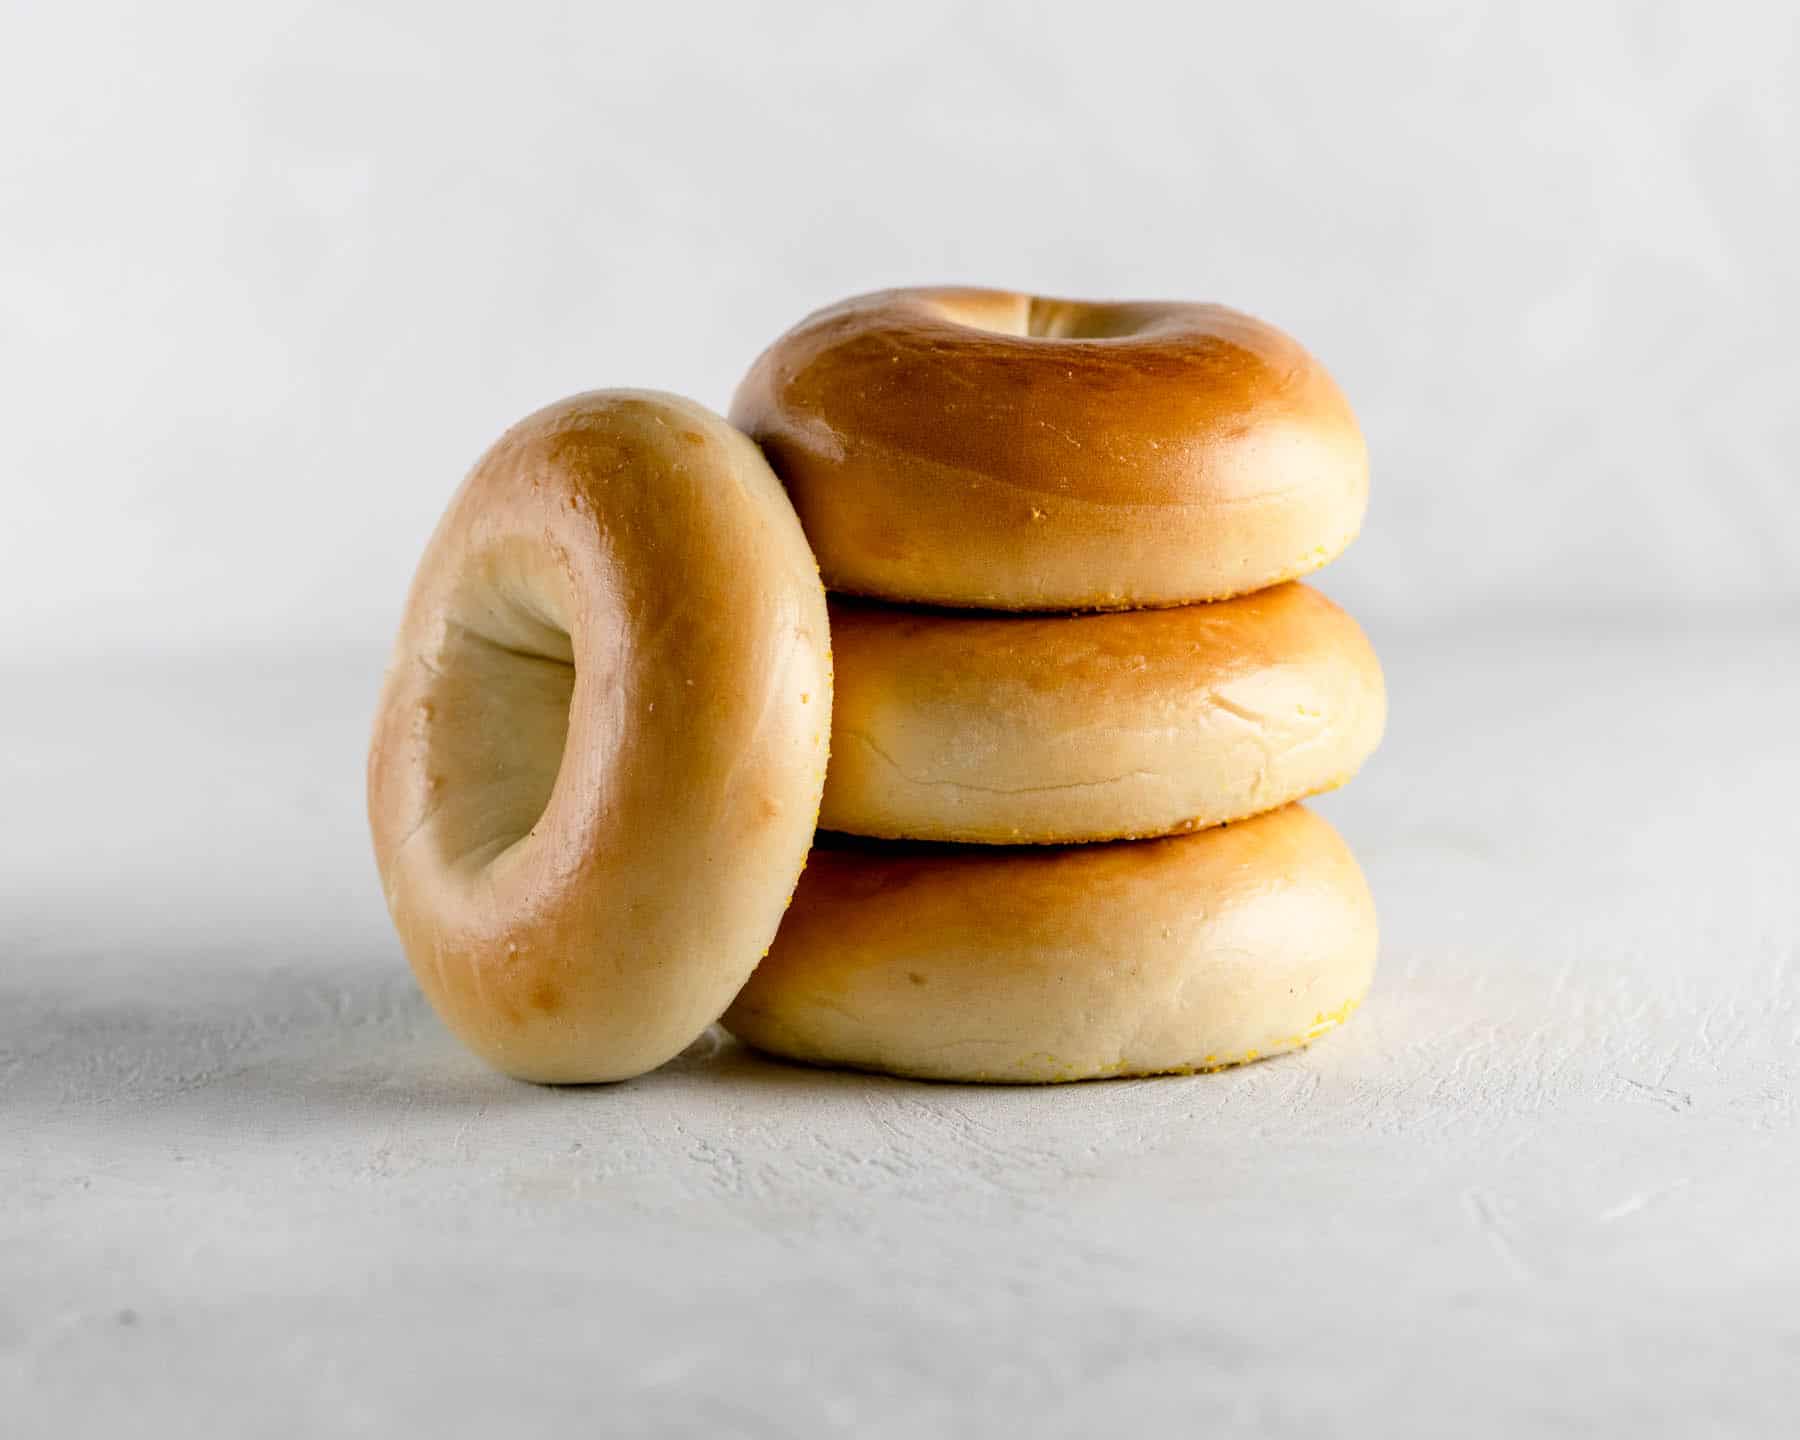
pixel 1032 317
pixel 1073 320
pixel 504 683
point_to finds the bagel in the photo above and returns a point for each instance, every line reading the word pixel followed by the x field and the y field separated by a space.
pixel 979 448
pixel 1030 965
pixel 600 745
pixel 1025 729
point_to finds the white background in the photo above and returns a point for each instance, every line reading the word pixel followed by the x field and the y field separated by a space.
pixel 272 275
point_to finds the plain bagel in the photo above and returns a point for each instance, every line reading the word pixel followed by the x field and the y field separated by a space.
pixel 1029 965
pixel 600 746
pixel 1007 729
pixel 980 448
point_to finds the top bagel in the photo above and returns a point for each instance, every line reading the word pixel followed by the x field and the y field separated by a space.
pixel 980 448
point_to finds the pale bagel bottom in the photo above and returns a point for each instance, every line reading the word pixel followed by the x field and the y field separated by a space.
pixel 1193 952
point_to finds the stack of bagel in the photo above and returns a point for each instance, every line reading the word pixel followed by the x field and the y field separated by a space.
pixel 1072 688
pixel 1063 540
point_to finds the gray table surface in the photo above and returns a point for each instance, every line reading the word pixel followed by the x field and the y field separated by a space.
pixel 1546 1183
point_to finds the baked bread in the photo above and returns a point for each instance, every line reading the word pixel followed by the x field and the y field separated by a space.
pixel 958 963
pixel 600 747
pixel 986 449
pixel 1000 729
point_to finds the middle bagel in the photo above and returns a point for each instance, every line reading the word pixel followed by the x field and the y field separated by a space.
pixel 994 729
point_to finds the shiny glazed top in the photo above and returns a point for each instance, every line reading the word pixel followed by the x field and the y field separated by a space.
pixel 982 448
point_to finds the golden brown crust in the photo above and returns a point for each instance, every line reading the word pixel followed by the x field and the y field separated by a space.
pixel 1033 965
pixel 600 747
pixel 1001 730
pixel 979 448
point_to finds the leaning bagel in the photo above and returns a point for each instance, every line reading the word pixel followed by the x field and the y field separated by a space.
pixel 1033 730
pixel 600 747
pixel 1188 953
pixel 979 448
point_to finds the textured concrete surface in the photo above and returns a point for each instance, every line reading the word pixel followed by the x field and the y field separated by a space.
pixel 1545 1184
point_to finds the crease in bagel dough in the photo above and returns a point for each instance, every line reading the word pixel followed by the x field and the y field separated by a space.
pixel 863 738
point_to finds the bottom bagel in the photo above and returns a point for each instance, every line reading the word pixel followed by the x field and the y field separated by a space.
pixel 1036 965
